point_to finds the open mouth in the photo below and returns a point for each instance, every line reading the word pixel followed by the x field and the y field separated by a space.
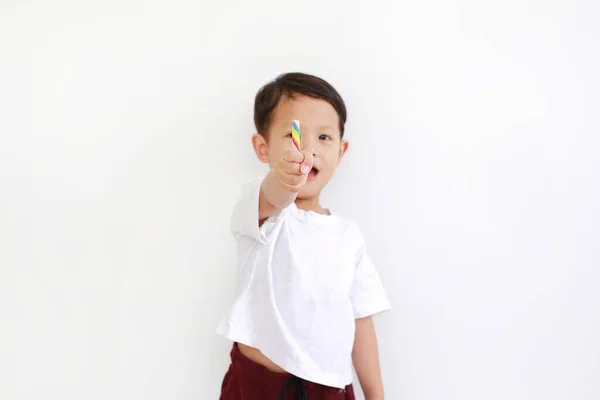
pixel 312 174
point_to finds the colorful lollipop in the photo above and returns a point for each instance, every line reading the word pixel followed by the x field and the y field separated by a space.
pixel 296 134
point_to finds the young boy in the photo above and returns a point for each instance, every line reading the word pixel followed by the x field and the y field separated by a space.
pixel 306 287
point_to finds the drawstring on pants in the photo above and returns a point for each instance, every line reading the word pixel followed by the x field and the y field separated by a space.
pixel 296 383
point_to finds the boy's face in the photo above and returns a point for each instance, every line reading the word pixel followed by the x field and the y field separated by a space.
pixel 320 133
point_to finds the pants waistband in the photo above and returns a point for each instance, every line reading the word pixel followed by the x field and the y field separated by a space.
pixel 247 368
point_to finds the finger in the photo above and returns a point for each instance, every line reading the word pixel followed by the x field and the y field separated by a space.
pixel 291 188
pixel 293 156
pixel 289 168
pixel 307 164
pixel 291 183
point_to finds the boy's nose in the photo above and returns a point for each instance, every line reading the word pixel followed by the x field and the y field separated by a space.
pixel 307 144
pixel 313 151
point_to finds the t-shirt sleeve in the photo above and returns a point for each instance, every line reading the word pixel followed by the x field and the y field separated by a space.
pixel 244 220
pixel 368 295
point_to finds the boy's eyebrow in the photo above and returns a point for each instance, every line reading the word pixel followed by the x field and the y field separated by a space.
pixel 326 127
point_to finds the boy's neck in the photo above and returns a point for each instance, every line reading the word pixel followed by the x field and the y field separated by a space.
pixel 312 204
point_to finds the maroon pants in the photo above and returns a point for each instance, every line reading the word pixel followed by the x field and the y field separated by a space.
pixel 247 380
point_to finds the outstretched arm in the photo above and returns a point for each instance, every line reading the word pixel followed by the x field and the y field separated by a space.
pixel 281 185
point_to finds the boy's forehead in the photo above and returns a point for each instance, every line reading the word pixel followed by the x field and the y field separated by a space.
pixel 309 111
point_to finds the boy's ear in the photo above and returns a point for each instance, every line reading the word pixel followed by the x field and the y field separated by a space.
pixel 343 150
pixel 261 148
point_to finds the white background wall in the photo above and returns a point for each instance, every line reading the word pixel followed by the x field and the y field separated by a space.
pixel 473 171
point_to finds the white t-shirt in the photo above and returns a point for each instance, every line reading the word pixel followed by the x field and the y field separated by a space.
pixel 303 279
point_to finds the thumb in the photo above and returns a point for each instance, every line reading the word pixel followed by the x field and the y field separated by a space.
pixel 307 163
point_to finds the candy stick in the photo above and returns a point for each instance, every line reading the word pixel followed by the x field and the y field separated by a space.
pixel 296 134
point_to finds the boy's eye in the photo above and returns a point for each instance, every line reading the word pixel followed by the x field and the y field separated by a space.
pixel 289 135
pixel 324 137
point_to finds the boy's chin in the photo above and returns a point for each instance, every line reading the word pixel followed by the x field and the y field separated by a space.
pixel 310 191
